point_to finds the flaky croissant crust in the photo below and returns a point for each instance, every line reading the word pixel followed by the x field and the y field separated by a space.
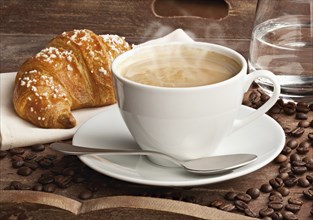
pixel 73 72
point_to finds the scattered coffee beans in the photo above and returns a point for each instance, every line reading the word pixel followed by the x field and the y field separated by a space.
pixel 49 188
pixel 253 192
pixel 24 171
pixel 38 147
pixel 276 182
pixel 287 215
pixel 266 212
pixel 230 196
pixel 244 197
pixel 266 188
pixel 293 208
pixel 308 193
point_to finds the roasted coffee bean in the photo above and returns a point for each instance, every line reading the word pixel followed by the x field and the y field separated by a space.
pixel 15 184
pixel 264 97
pixel 287 130
pixel 308 193
pixel 227 207
pixel 276 182
pixel 311 106
pixel 266 212
pixel 294 157
pixel 216 203
pixel 298 163
pixel 241 205
pixel 291 181
pixel 63 181
pixel 250 213
pixel 275 109
pixel 304 124
pixel 311 124
pixel 277 216
pixel 307 159
pixel 302 105
pixel 309 177
pixel 17 158
pixel 284 191
pixel 293 208
pixel 244 197
pixel 49 188
pixel 254 97
pixel 266 188
pixel 46 178
pixel 15 151
pixel 276 205
pixel 46 163
pixel 277 194
pixel 3 154
pixel 30 156
pixel 297 132
pixel 51 157
pixel 37 187
pixel 303 147
pixel 19 186
pixel 281 158
pixel 299 170
pixel 292 143
pixel 253 192
pixel 310 136
pixel 24 171
pixel 303 182
pixel 38 147
pixel 17 163
pixel 311 212
pixel 275 198
pixel 283 176
pixel 295 201
pixel 289 111
pixel 289 216
pixel 309 165
pixel 31 164
pixel 301 116
pixel 86 194
pixel 286 150
pixel 285 170
pixel 230 196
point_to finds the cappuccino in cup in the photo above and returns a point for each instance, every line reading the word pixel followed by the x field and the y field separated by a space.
pixel 183 67
pixel 183 99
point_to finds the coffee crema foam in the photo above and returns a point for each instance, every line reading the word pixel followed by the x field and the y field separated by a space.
pixel 180 67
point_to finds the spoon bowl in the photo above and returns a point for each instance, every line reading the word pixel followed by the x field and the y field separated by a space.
pixel 205 165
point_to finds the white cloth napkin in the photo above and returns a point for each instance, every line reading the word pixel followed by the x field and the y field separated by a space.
pixel 16 132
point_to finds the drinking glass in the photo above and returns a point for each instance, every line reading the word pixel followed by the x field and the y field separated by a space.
pixel 282 42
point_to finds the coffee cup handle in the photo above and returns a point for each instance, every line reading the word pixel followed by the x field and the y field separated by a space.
pixel 267 105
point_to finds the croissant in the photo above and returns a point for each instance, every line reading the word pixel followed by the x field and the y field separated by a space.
pixel 73 72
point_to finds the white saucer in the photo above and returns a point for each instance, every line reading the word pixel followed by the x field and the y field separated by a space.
pixel 263 137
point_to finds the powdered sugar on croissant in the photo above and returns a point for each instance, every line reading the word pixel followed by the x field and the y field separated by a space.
pixel 73 72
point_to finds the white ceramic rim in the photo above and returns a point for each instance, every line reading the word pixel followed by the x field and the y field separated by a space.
pixel 211 47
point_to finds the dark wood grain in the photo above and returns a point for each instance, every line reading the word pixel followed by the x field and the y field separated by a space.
pixel 27 26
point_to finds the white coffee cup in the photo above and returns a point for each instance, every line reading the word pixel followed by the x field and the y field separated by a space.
pixel 186 123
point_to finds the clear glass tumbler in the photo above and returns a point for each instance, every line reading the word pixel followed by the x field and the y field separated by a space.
pixel 282 42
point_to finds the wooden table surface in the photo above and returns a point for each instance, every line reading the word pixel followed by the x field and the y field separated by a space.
pixel 27 26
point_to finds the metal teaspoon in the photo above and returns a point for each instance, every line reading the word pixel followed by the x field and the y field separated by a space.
pixel 205 165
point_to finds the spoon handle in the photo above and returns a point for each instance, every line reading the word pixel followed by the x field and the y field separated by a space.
pixel 78 150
